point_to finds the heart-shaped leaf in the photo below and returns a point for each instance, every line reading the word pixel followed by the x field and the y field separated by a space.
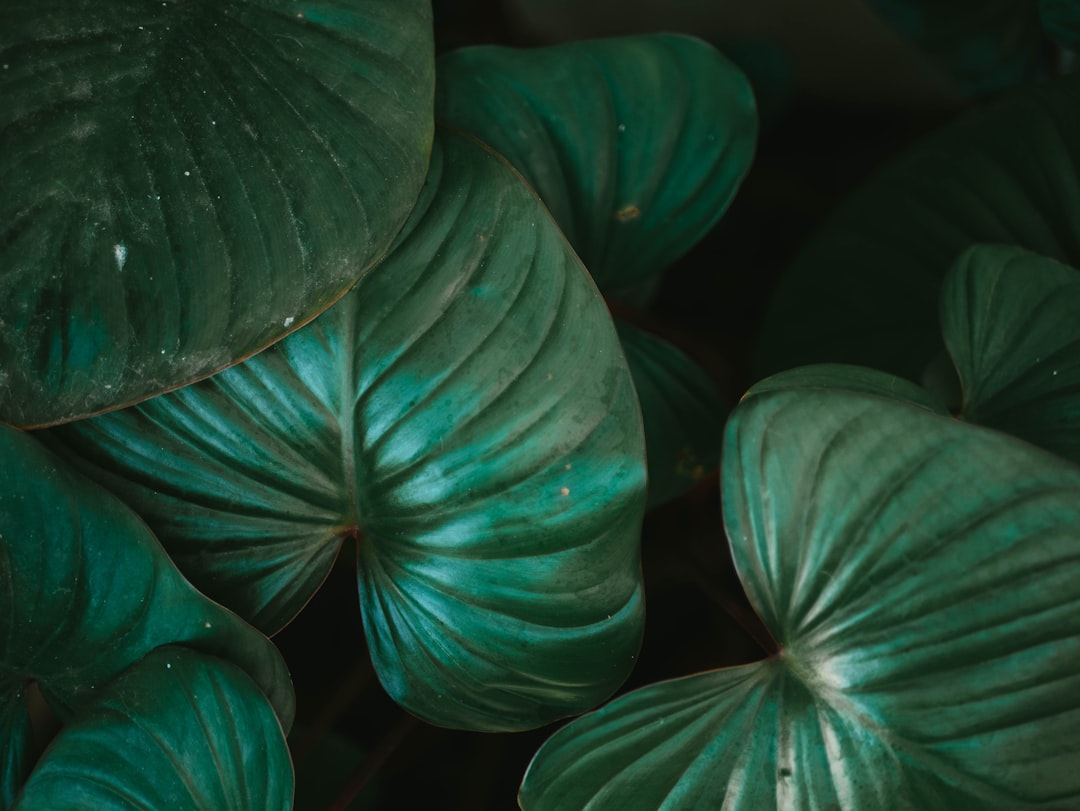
pixel 88 591
pixel 466 414
pixel 635 144
pixel 919 576
pixel 183 183
pixel 866 289
pixel 178 730
pixel 1009 318
pixel 679 406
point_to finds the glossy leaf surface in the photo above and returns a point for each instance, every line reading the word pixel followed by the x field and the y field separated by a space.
pixel 178 730
pixel 88 590
pixel 1009 318
pixel 635 144
pixel 679 406
pixel 184 183
pixel 466 413
pixel 857 379
pixel 866 289
pixel 919 576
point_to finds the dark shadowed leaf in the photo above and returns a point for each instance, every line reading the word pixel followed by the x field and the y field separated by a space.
pixel 178 730
pixel 88 590
pixel 184 183
pixel 919 576
pixel 680 407
pixel 635 144
pixel 16 743
pixel 866 289
pixel 987 45
pixel 467 415
pixel 1061 19
pixel 1009 318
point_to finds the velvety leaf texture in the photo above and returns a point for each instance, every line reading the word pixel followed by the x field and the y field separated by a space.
pixel 467 415
pixel 919 576
pixel 680 407
pixel 88 591
pixel 866 288
pixel 635 144
pixel 178 730
pixel 185 182
pixel 1009 318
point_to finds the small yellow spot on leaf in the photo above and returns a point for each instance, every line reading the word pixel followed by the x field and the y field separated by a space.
pixel 565 491
pixel 630 212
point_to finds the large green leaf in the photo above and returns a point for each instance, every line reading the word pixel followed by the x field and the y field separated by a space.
pixel 183 183
pixel 88 590
pixel 1009 318
pixel 178 730
pixel 919 577
pixel 635 144
pixel 467 416
pixel 679 407
pixel 866 289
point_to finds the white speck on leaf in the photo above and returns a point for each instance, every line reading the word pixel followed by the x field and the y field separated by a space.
pixel 187 174
pixel 120 252
pixel 289 321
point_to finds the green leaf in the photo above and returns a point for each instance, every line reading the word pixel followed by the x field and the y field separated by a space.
pixel 89 591
pixel 866 289
pixel 918 575
pixel 680 407
pixel 842 377
pixel 987 45
pixel 178 730
pixel 466 415
pixel 635 144
pixel 184 183
pixel 16 744
pixel 1009 321
pixel 1061 18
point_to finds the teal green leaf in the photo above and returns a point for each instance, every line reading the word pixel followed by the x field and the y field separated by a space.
pixel 842 377
pixel 89 590
pixel 866 289
pixel 184 183
pixel 178 730
pixel 918 575
pixel 467 416
pixel 635 144
pixel 16 744
pixel 679 407
pixel 986 45
pixel 1061 18
pixel 1009 318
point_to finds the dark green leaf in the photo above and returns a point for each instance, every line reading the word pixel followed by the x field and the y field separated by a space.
pixel 89 590
pixel 178 730
pixel 1009 318
pixel 467 414
pixel 987 45
pixel 16 743
pixel 838 376
pixel 918 575
pixel 866 289
pixel 1061 18
pixel 635 144
pixel 680 407
pixel 184 183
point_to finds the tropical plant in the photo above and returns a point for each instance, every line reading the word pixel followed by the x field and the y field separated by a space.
pixel 257 309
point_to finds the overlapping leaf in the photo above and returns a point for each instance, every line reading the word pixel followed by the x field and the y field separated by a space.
pixel 467 415
pixel 178 730
pixel 635 144
pixel 1009 318
pixel 183 183
pixel 919 576
pixel 866 289
pixel 88 590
